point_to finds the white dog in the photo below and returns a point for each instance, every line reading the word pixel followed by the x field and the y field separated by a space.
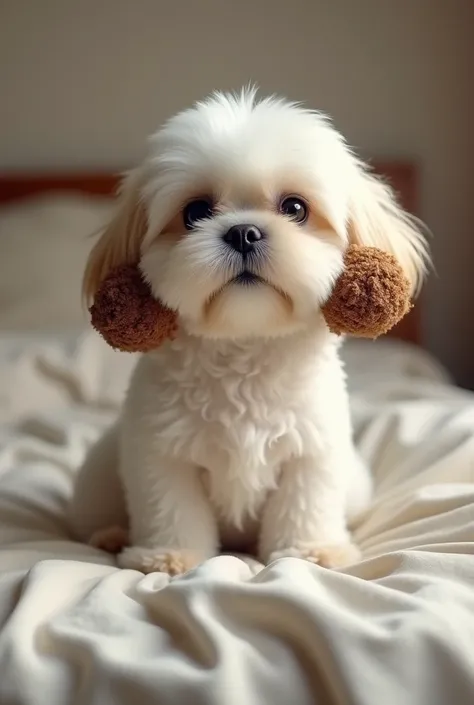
pixel 237 434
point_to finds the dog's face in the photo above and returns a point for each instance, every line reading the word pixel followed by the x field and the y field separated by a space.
pixel 241 214
pixel 248 247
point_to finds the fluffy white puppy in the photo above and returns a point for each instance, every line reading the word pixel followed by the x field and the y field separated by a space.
pixel 236 435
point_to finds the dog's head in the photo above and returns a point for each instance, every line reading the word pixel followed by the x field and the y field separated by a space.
pixel 241 214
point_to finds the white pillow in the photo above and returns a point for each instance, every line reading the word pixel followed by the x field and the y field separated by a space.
pixel 44 242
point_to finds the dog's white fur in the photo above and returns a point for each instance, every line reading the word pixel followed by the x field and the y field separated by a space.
pixel 237 434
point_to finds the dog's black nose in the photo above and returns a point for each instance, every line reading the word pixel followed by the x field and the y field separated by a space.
pixel 243 237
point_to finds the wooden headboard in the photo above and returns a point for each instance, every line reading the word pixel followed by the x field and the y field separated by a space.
pixel 402 175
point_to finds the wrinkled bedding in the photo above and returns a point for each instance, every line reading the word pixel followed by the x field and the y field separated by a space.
pixel 396 628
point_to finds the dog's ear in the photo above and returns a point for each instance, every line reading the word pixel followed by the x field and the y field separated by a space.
pixel 371 295
pixel 127 315
pixel 119 243
pixel 377 220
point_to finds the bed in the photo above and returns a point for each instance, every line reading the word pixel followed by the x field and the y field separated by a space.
pixel 397 627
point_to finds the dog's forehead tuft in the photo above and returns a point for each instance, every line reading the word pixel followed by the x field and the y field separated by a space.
pixel 236 129
pixel 231 138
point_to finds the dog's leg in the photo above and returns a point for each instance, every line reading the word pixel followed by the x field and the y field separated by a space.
pixel 306 516
pixel 172 525
pixel 97 513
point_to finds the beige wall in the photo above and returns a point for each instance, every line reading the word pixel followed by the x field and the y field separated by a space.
pixel 82 82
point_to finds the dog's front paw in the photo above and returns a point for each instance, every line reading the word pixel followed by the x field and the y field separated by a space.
pixel 338 555
pixel 159 560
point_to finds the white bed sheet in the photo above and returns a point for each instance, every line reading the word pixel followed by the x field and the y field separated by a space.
pixel 398 627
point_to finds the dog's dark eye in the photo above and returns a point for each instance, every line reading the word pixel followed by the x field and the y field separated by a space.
pixel 195 211
pixel 295 208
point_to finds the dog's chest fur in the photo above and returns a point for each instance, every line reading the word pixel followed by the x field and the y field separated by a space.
pixel 237 411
